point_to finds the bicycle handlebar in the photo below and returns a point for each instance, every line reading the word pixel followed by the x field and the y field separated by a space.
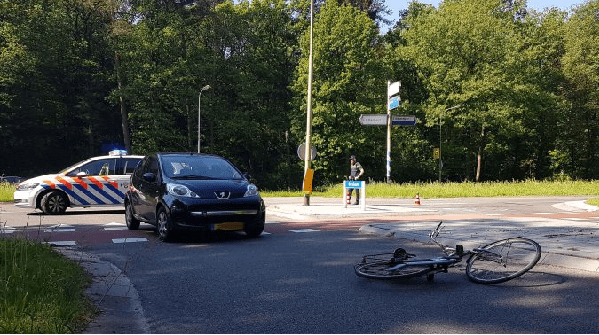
pixel 446 249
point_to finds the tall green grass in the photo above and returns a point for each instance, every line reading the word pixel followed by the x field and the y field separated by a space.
pixel 41 291
pixel 460 190
pixel 6 192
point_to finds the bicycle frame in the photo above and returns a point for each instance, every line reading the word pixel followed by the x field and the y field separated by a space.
pixel 441 264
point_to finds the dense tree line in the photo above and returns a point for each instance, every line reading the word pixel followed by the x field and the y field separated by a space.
pixel 504 91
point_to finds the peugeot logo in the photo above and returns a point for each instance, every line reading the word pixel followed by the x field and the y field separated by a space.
pixel 222 194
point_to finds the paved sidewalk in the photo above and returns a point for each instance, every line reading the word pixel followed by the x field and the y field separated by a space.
pixel 568 243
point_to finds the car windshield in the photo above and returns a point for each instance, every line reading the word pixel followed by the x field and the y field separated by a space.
pixel 65 170
pixel 198 167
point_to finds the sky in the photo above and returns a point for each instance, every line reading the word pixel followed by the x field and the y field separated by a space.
pixel 396 5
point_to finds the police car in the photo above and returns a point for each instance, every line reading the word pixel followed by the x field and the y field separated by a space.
pixel 97 181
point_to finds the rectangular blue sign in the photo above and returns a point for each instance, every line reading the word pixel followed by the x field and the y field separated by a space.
pixel 403 120
pixel 353 184
pixel 393 103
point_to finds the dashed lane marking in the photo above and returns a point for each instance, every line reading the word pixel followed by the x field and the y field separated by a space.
pixel 61 243
pixel 6 230
pixel 115 226
pixel 129 240
pixel 303 230
pixel 60 228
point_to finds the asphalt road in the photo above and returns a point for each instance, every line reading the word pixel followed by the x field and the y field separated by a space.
pixel 302 281
pixel 298 278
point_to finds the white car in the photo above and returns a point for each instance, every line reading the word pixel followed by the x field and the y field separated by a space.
pixel 98 181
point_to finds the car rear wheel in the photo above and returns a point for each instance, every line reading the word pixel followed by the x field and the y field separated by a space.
pixel 132 222
pixel 54 203
pixel 164 228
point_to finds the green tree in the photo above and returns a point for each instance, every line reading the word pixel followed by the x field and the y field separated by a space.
pixel 468 55
pixel 346 83
pixel 54 94
pixel 577 152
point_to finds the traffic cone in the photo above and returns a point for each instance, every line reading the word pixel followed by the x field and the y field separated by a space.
pixel 348 199
pixel 417 200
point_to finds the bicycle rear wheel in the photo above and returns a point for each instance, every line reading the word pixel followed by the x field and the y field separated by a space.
pixel 383 270
pixel 503 260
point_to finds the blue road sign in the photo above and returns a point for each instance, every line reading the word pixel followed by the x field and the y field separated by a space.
pixel 353 184
pixel 393 102
pixel 403 120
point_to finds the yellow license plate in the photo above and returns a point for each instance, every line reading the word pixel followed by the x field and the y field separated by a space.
pixel 228 226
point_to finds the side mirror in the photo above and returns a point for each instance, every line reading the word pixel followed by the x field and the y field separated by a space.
pixel 149 177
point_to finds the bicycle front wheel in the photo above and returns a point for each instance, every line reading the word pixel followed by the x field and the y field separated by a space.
pixel 503 260
pixel 390 270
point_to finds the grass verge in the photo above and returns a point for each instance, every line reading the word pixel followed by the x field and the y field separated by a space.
pixel 41 291
pixel 6 192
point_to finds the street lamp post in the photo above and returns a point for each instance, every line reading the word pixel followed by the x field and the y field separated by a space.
pixel 308 151
pixel 199 113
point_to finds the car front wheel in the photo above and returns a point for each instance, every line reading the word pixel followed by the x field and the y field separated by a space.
pixel 256 227
pixel 132 222
pixel 54 203
pixel 164 227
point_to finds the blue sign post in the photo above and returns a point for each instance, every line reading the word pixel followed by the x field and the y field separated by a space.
pixel 355 184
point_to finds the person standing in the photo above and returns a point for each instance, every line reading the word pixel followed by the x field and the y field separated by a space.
pixel 356 171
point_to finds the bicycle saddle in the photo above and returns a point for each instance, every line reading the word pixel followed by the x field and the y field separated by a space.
pixel 402 254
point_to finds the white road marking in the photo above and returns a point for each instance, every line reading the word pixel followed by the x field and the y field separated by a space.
pixel 62 243
pixel 304 230
pixel 129 240
pixel 7 230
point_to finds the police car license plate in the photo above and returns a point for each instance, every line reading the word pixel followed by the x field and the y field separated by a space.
pixel 228 226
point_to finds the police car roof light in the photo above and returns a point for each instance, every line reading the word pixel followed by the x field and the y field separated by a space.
pixel 117 152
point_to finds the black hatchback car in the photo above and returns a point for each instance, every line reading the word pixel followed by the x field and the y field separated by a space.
pixel 192 191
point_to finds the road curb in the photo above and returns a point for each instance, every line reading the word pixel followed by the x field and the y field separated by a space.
pixel 113 293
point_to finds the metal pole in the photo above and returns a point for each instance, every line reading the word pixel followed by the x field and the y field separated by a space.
pixel 440 164
pixel 388 136
pixel 199 118
pixel 199 113
pixel 308 151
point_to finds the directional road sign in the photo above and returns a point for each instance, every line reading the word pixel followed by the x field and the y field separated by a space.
pixel 403 120
pixel 373 119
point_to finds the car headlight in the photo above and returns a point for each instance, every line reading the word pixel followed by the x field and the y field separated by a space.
pixel 179 190
pixel 27 186
pixel 251 191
